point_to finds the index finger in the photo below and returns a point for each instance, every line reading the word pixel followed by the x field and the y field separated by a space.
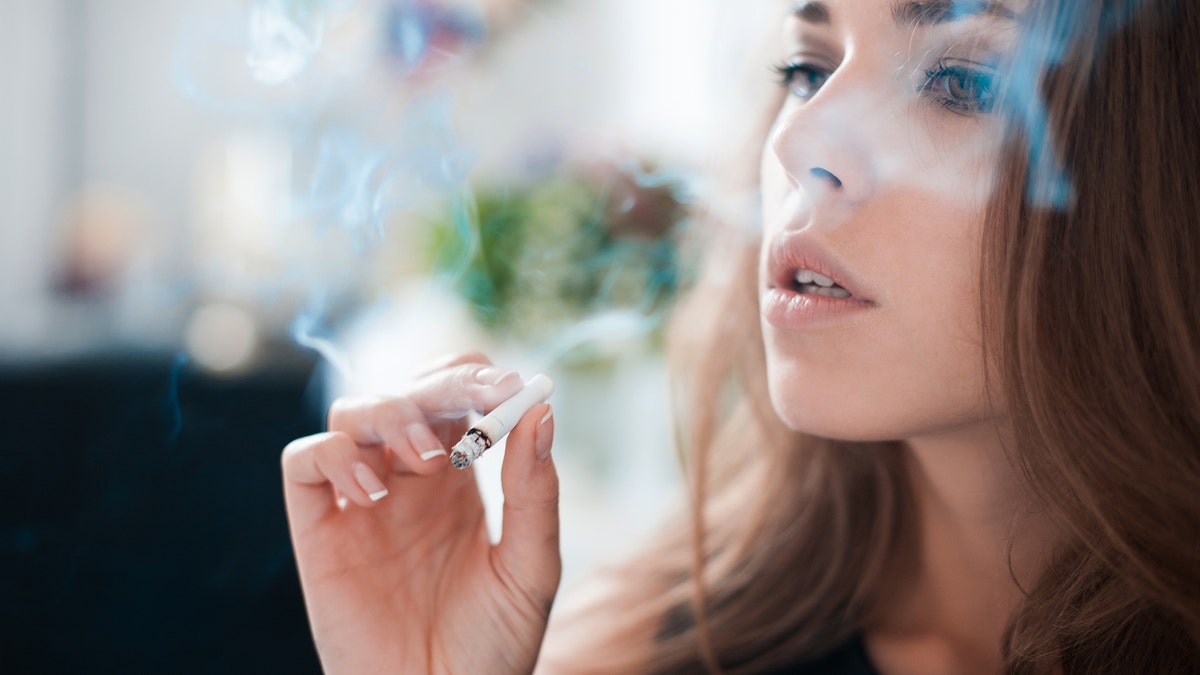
pixel 472 387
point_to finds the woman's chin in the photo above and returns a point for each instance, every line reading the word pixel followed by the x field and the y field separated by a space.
pixel 823 424
pixel 825 418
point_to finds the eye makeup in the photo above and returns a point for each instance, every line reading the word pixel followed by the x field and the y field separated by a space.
pixel 959 71
pixel 961 86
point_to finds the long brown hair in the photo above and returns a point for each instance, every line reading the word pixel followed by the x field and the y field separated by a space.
pixel 1098 334
pixel 1090 318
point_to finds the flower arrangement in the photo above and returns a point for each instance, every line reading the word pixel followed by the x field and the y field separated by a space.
pixel 536 260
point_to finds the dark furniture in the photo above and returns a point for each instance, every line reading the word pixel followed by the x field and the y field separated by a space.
pixel 142 527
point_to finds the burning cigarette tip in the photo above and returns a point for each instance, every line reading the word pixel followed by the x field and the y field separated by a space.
pixel 495 425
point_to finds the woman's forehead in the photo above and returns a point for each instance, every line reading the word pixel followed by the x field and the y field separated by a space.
pixel 990 24
pixel 911 13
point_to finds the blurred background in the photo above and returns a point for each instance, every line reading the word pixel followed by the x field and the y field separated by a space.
pixel 215 217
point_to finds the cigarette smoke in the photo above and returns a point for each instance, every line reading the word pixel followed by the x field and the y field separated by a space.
pixel 344 111
pixel 371 148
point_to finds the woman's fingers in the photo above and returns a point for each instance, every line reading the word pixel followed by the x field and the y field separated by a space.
pixel 458 390
pixel 406 424
pixel 315 466
pixel 455 360
pixel 370 437
pixel 529 547
pixel 394 423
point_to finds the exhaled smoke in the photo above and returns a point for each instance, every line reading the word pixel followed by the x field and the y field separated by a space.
pixel 283 39
pixel 1055 32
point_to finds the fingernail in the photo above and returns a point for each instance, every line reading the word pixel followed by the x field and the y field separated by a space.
pixel 493 376
pixel 369 482
pixel 543 438
pixel 424 442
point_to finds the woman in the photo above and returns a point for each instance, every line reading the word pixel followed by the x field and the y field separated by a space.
pixel 944 411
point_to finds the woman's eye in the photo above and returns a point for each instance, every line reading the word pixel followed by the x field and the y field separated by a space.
pixel 963 90
pixel 801 78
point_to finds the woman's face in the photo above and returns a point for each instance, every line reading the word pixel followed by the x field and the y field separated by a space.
pixel 874 179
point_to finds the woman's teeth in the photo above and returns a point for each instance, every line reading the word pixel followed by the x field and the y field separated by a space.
pixel 813 289
pixel 808 281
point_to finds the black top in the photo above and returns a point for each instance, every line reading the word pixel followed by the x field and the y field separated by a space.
pixel 849 659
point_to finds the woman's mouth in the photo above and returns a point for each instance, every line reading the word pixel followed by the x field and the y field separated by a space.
pixel 808 281
pixel 807 286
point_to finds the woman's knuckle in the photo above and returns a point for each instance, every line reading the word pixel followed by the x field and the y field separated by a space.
pixel 339 409
pixel 390 413
pixel 474 356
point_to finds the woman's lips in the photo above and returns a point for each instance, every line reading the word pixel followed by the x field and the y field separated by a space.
pixel 792 310
pixel 790 253
pixel 798 303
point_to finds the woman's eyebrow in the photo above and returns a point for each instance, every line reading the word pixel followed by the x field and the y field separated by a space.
pixel 812 11
pixel 918 13
pixel 913 13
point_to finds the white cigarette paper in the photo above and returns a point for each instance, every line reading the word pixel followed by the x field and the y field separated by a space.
pixel 495 425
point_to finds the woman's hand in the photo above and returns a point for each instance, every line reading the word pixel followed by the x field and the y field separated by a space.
pixel 407 581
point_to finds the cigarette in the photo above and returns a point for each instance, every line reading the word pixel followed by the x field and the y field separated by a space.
pixel 495 425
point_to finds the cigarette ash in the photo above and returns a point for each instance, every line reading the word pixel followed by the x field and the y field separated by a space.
pixel 469 449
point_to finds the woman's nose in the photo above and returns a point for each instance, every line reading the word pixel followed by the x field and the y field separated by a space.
pixel 823 149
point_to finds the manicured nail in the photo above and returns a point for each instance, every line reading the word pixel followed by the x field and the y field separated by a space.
pixel 369 482
pixel 493 376
pixel 542 436
pixel 424 442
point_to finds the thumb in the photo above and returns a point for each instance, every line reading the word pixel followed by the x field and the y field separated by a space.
pixel 528 546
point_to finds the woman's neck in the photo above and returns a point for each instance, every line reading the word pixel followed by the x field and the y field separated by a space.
pixel 970 511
